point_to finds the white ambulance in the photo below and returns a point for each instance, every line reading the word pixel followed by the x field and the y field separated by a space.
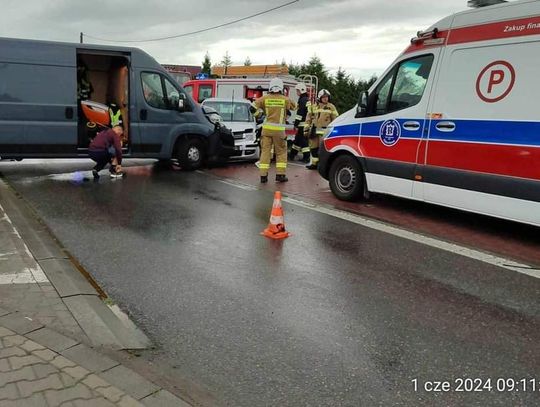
pixel 453 121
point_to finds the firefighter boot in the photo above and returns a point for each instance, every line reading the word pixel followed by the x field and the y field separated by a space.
pixel 314 159
pixel 264 179
pixel 305 157
pixel 281 178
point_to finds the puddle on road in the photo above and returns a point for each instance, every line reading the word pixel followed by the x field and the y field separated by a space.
pixel 77 177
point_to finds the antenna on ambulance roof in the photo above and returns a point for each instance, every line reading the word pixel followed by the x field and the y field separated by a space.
pixel 484 3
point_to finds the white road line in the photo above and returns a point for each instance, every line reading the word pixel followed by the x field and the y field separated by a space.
pixel 417 237
pixel 413 236
pixel 297 164
pixel 245 187
pixel 28 275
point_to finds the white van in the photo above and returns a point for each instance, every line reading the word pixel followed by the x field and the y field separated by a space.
pixel 453 121
pixel 236 116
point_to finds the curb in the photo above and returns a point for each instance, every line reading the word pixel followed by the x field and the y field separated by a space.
pixel 79 292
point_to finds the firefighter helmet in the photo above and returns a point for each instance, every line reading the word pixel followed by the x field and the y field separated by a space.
pixel 276 85
pixel 301 87
pixel 323 92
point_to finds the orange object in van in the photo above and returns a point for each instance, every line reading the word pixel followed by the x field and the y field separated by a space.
pixel 96 112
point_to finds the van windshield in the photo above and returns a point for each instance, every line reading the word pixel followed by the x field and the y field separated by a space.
pixel 232 111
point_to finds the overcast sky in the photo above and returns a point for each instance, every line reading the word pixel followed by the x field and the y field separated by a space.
pixel 362 36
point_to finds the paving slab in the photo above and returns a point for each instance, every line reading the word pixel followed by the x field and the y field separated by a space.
pixel 89 358
pixel 19 324
pixel 52 339
pixel 131 382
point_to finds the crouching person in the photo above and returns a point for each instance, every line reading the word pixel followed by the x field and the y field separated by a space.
pixel 106 148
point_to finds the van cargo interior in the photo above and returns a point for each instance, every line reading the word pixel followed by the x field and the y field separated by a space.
pixel 102 79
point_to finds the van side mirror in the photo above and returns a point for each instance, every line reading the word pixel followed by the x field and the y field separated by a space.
pixel 181 102
pixel 362 107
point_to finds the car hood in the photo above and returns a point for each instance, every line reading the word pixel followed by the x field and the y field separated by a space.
pixel 240 126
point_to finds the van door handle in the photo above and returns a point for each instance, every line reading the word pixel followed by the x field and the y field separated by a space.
pixel 143 114
pixel 446 126
pixel 69 113
pixel 411 125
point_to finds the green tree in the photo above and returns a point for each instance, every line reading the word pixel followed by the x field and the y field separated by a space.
pixel 226 61
pixel 207 64
pixel 247 62
pixel 345 90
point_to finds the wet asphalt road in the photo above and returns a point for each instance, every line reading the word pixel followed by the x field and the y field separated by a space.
pixel 336 315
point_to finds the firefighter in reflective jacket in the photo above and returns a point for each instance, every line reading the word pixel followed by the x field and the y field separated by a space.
pixel 275 106
pixel 318 119
pixel 300 144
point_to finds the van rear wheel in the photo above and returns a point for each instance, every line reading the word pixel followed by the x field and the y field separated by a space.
pixel 346 178
pixel 190 154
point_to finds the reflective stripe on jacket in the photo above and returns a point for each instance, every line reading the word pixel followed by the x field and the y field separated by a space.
pixel 321 115
pixel 275 107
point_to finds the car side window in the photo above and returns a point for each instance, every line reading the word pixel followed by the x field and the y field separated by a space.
pixel 404 86
pixel 153 90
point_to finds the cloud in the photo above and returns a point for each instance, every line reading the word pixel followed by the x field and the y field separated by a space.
pixel 361 36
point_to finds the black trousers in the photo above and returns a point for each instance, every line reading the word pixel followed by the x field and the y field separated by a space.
pixel 300 143
pixel 101 157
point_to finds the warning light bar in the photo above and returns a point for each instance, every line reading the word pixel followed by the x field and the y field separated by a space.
pixel 484 3
pixel 424 35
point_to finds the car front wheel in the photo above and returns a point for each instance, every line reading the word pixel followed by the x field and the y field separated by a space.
pixel 190 154
pixel 346 178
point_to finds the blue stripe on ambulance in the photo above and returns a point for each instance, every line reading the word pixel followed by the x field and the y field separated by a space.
pixel 472 131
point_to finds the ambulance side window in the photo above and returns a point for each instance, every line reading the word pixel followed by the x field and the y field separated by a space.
pixel 411 80
pixel 402 87
pixel 382 92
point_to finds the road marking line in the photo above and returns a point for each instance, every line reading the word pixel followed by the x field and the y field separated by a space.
pixel 405 234
pixel 245 187
pixel 297 164
pixel 417 237
pixel 28 275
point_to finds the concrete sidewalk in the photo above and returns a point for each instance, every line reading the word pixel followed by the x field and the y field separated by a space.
pixel 55 328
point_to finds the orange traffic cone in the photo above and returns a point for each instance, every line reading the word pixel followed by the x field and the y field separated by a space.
pixel 276 226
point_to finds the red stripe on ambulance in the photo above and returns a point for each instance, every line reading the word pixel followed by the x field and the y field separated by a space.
pixel 482 32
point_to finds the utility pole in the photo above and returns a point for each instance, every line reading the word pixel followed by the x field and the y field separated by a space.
pixel 81 37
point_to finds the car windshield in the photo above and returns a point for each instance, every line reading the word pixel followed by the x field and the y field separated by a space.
pixel 232 111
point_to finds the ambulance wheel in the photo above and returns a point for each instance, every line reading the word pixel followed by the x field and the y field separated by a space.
pixel 190 154
pixel 346 178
